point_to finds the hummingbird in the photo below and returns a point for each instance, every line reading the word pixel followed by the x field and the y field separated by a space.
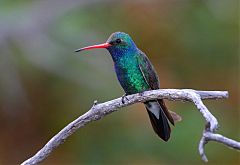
pixel 136 74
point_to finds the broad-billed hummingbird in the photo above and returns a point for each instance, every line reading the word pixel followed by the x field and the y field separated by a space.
pixel 136 74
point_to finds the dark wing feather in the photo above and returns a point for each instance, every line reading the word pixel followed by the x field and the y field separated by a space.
pixel 148 71
pixel 152 80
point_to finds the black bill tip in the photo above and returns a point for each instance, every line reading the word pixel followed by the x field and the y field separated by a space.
pixel 78 50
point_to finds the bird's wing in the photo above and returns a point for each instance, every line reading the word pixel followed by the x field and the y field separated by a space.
pixel 152 80
pixel 148 71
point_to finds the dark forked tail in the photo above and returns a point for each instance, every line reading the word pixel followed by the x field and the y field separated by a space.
pixel 159 116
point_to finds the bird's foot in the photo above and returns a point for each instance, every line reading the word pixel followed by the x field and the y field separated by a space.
pixel 124 98
pixel 141 93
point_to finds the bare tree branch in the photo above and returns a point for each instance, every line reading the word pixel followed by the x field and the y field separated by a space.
pixel 100 110
pixel 210 136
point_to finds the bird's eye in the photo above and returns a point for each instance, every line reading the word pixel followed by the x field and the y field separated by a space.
pixel 118 41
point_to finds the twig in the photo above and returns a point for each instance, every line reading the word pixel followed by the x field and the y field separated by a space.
pixel 100 110
pixel 210 136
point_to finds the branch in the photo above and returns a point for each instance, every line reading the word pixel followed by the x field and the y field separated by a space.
pixel 98 111
pixel 209 136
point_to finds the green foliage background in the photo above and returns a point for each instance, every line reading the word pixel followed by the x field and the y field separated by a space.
pixel 44 85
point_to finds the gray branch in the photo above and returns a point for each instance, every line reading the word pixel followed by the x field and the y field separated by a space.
pixel 210 136
pixel 100 110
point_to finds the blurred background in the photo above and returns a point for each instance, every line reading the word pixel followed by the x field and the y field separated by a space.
pixel 45 85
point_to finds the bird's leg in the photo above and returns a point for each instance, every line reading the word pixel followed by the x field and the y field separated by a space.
pixel 124 97
pixel 141 93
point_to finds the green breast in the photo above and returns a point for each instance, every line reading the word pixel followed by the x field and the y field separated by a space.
pixel 130 75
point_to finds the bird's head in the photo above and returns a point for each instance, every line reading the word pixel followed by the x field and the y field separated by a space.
pixel 117 42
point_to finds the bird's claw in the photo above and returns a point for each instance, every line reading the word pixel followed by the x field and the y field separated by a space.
pixel 123 98
pixel 141 93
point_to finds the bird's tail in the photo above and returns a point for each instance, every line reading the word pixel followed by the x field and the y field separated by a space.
pixel 159 117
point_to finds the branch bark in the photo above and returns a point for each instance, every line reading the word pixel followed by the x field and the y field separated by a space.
pixel 210 136
pixel 98 111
